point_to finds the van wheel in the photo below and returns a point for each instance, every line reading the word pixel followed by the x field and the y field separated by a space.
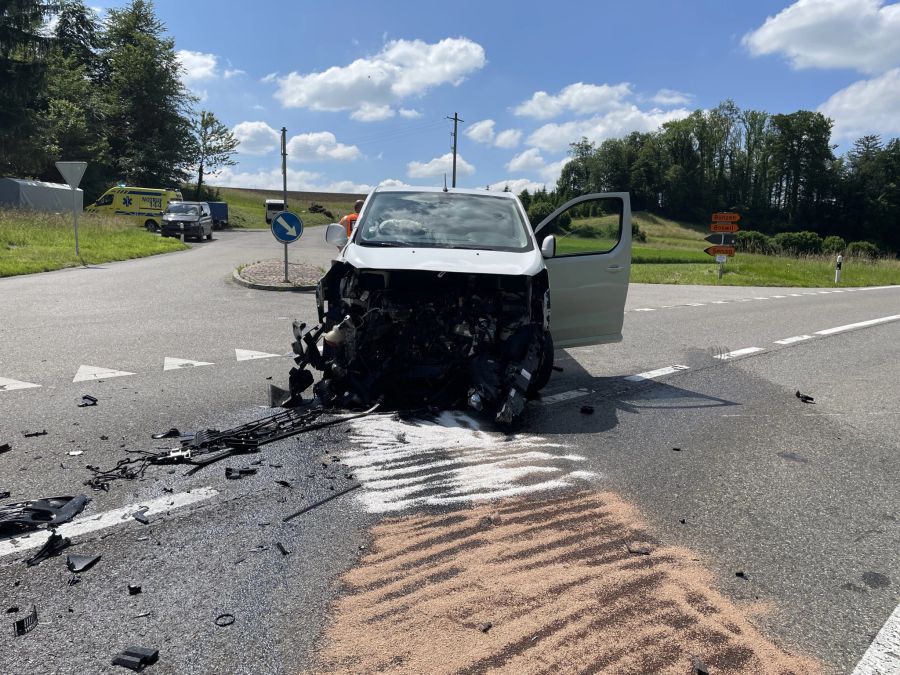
pixel 209 236
pixel 150 225
pixel 545 368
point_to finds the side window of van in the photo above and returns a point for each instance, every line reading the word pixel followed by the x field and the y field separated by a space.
pixel 105 200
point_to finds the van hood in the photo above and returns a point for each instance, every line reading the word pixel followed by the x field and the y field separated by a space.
pixel 180 217
pixel 527 263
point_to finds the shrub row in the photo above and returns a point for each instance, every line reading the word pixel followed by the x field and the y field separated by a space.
pixel 803 243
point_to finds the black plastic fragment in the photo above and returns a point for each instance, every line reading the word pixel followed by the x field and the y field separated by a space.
pixel 224 620
pixel 698 667
pixel 5 447
pixel 27 623
pixel 587 410
pixel 283 483
pixel 54 545
pixel 136 658
pixel 320 502
pixel 81 563
pixel 32 434
pixel 558 369
pixel 87 401
pixel 237 474
pixel 171 433
pixel 4 494
pixel 485 627
pixel 804 398
pixel 281 548
pixel 740 575
pixel 141 515
pixel 134 589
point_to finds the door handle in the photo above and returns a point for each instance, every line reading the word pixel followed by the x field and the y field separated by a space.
pixel 615 268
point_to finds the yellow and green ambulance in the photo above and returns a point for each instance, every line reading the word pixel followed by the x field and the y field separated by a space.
pixel 144 206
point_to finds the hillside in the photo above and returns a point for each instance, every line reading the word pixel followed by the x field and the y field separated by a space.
pixel 246 207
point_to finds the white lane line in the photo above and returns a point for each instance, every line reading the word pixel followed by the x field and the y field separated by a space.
pixel 860 324
pixel 564 396
pixel 659 372
pixel 250 355
pixel 172 363
pixel 778 296
pixel 720 302
pixel 645 309
pixel 97 373
pixel 792 340
pixel 695 304
pixel 8 385
pixel 760 298
pixel 883 655
pixel 875 288
pixel 101 521
pixel 738 352
pixel 795 295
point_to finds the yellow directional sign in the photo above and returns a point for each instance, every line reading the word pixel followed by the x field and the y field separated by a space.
pixel 726 217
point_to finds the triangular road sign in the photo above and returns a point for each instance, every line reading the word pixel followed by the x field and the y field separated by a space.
pixel 172 363
pixel 72 172
pixel 97 373
pixel 8 385
pixel 249 355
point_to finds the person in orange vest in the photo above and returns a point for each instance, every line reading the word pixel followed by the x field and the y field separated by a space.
pixel 349 221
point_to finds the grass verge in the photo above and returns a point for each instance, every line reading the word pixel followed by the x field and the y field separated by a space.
pixel 32 241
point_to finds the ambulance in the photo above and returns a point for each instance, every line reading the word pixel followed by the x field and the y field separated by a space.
pixel 144 206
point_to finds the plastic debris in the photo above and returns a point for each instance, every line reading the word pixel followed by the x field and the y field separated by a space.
pixel 639 548
pixel 485 627
pixel 804 398
pixel 80 563
pixel 54 545
pixel 4 494
pixel 224 620
pixel 237 474
pixel 283 483
pixel 587 410
pixel 281 548
pixel 75 453
pixel 698 667
pixel 136 658
pixel 676 449
pixel 32 434
pixel 141 515
pixel 50 511
pixel 740 575
pixel 134 589
pixel 87 401
pixel 320 502
pixel 27 623
pixel 5 447
pixel 171 433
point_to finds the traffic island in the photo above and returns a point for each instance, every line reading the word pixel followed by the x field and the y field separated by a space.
pixel 268 275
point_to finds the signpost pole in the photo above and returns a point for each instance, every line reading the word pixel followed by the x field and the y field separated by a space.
pixel 74 189
pixel 284 191
pixel 72 172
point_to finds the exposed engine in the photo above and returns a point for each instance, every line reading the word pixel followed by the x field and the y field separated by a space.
pixel 426 339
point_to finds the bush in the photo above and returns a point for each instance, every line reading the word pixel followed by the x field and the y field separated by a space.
pixel 538 211
pixel 637 234
pixel 862 249
pixel 833 244
pixel 751 241
pixel 797 243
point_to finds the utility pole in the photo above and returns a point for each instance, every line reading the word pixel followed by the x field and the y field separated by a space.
pixel 456 121
pixel 284 191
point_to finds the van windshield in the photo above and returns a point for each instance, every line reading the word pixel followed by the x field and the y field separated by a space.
pixel 275 206
pixel 189 209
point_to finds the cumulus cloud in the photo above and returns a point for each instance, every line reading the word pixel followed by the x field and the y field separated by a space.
pixel 402 69
pixel 197 66
pixel 671 97
pixel 270 179
pixel 515 185
pixel 439 166
pixel 321 145
pixel 866 107
pixel 257 138
pixel 233 72
pixel 409 113
pixel 481 132
pixel 858 34
pixel 530 160
pixel 508 138
pixel 578 98
pixel 369 112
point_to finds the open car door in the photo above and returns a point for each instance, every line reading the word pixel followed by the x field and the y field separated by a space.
pixel 590 267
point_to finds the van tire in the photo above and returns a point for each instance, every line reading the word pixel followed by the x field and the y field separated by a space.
pixel 150 225
pixel 545 368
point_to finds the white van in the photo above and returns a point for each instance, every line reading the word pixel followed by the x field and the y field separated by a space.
pixel 273 208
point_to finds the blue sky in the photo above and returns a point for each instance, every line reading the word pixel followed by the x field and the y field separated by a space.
pixel 364 88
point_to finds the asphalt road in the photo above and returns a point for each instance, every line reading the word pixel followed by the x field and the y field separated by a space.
pixel 801 498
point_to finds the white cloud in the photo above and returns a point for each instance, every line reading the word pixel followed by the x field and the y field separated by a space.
pixel 481 132
pixel 530 160
pixel 671 97
pixel 409 113
pixel 556 137
pixel 369 112
pixel 306 181
pixel 197 66
pixel 321 145
pixel 859 34
pixel 508 138
pixel 439 166
pixel 393 182
pixel 516 185
pixel 579 98
pixel 257 138
pixel 866 107
pixel 257 106
pixel 402 69
pixel 271 77
pixel 233 72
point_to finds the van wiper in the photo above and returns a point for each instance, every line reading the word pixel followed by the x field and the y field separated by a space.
pixel 390 244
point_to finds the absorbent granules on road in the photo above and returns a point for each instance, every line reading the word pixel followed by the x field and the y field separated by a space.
pixel 568 584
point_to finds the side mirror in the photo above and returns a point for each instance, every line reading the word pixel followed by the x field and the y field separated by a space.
pixel 336 234
pixel 548 247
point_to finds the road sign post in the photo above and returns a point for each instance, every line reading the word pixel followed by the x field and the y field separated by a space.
pixel 723 239
pixel 72 172
pixel 287 228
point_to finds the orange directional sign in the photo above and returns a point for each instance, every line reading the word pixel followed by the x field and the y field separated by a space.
pixel 726 217
pixel 720 250
pixel 724 227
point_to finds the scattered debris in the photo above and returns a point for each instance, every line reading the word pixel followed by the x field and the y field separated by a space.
pixel 4 494
pixel 683 521
pixel 284 483
pixel 171 433
pixel 142 616
pixel 320 502
pixel 638 548
pixel 75 453
pixel 53 546
pixel 740 575
pixel 74 579
pixel 804 398
pixel 224 620
pixel 237 474
pixel 281 548
pixel 485 627
pixel 676 449
pixel 134 589
pixel 32 434
pixel 587 410
pixel 81 563
pixel 141 515
pixel 698 667
pixel 558 369
pixel 27 623
pixel 487 521
pixel 104 438
pixel 51 511
pixel 12 610
pixel 5 447
pixel 136 658
pixel 87 401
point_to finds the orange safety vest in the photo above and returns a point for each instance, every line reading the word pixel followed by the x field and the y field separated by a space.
pixel 349 221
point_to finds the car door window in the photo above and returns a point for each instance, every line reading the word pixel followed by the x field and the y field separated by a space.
pixel 586 228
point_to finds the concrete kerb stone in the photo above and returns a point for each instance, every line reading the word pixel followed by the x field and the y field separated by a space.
pixel 236 276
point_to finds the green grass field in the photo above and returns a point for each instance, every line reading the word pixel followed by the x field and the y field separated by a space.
pixel 33 241
pixel 246 208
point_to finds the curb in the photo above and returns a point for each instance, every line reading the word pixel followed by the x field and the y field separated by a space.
pixel 266 287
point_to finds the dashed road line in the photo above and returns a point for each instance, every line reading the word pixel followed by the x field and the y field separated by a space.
pixel 883 655
pixel 101 521
pixel 653 374
pixel 645 309
pixel 859 324
pixel 792 340
pixel 8 385
pixel 738 352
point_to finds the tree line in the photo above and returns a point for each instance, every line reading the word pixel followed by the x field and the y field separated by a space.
pixel 107 92
pixel 778 171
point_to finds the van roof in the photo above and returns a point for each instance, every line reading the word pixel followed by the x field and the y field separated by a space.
pixel 274 201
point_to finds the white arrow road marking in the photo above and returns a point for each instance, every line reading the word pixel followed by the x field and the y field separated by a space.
pixel 738 352
pixel 100 521
pixel 883 655
pixel 659 372
pixel 8 385
pixel 172 363
pixel 97 373
pixel 249 355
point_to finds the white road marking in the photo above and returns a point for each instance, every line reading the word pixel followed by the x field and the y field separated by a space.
pixel 720 302
pixel 738 352
pixel 250 355
pixel 97 373
pixel 450 459
pixel 659 372
pixel 792 340
pixel 101 521
pixel 778 296
pixel 172 363
pixel 8 385
pixel 695 304
pixel 795 295
pixel 645 309
pixel 860 324
pixel 564 396
pixel 883 655
pixel 876 288
pixel 760 298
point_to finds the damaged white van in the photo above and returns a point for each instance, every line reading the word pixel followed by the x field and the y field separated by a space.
pixel 449 297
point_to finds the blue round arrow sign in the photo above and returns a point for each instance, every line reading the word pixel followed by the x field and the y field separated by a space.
pixel 287 227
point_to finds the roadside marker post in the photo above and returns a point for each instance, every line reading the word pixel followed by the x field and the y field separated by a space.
pixel 837 268
pixel 723 227
pixel 72 172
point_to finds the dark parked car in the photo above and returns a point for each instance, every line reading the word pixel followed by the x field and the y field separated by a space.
pixel 191 219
